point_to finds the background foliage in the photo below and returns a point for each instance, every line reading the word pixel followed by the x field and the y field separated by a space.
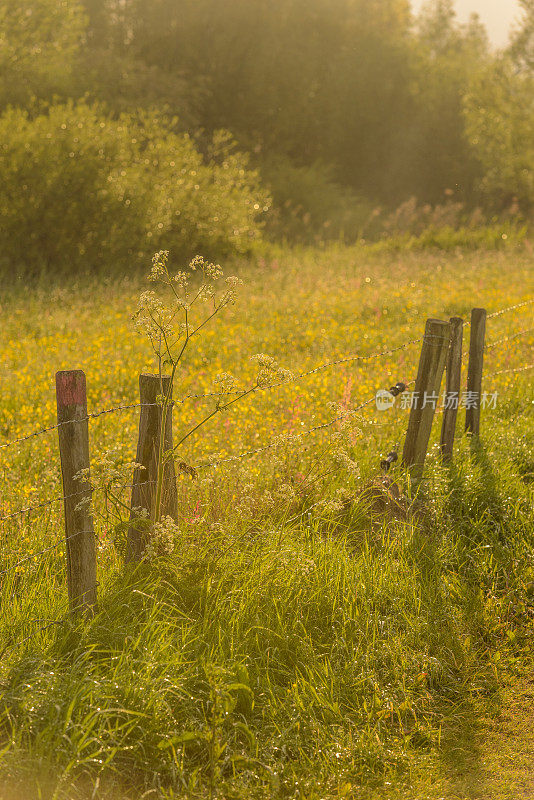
pixel 343 106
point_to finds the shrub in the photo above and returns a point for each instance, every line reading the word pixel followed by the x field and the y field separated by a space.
pixel 79 190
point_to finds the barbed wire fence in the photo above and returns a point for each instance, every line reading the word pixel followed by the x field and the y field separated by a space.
pixel 434 360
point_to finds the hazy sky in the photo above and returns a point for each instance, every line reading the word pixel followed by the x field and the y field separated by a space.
pixel 497 15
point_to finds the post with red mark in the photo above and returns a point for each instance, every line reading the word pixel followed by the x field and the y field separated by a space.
pixel 73 434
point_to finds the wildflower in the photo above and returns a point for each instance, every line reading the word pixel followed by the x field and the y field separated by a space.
pixel 159 266
pixel 163 539
pixel 181 279
pixel 224 382
pixel 233 281
pixel 196 263
pixel 213 271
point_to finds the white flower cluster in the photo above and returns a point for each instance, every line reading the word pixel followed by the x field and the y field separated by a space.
pixel 269 371
pixel 162 540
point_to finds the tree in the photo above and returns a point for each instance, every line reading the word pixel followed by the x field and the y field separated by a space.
pixel 499 113
pixel 40 40
pixel 80 190
pixel 433 155
pixel 522 45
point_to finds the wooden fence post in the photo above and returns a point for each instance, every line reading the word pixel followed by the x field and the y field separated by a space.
pixel 73 432
pixel 474 371
pixel 426 395
pixel 453 385
pixel 144 481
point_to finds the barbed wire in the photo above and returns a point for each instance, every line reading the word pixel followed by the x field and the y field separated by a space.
pixel 467 323
pixel 510 308
pixel 70 421
pixel 44 504
pixel 92 490
pixel 299 375
pixel 345 360
pixel 512 369
pixel 291 437
pixel 509 338
pixel 206 395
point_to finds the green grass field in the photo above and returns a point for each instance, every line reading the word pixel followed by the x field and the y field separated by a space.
pixel 309 636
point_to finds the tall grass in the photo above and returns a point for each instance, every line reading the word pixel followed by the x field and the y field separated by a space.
pixel 285 649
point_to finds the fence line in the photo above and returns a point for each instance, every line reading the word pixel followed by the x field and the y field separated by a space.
pixel 180 401
pixel 516 369
pixel 509 338
pixel 298 376
pixel 291 437
pixel 278 441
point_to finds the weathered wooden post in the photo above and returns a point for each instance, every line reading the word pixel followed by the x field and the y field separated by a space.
pixel 73 432
pixel 144 483
pixel 426 395
pixel 452 390
pixel 474 371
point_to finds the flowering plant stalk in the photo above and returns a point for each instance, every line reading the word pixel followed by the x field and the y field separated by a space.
pixel 172 326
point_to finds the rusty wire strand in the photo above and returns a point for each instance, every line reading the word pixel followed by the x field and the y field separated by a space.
pixel 298 376
pixel 44 504
pixel 510 308
pixel 513 369
pixel 509 338
pixel 291 437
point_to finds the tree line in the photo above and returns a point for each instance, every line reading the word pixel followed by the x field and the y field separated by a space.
pixel 327 105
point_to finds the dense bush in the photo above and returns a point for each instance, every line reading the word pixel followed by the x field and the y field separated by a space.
pixel 80 190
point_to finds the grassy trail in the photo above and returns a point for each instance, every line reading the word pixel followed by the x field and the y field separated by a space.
pixel 487 754
pixel 510 747
pixel 500 766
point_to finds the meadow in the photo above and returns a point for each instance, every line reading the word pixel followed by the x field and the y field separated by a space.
pixel 305 636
